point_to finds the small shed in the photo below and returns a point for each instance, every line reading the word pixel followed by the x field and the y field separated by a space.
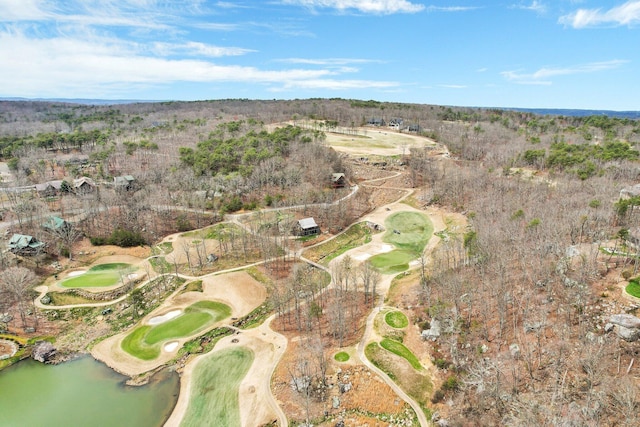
pixel 307 227
pixel 338 180
pixel 24 243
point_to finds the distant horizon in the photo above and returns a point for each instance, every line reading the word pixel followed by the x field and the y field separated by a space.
pixel 635 114
pixel 529 53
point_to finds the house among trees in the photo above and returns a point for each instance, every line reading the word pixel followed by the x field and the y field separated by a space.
pixel 83 185
pixel 413 128
pixel 55 224
pixel 396 124
pixel 50 188
pixel 24 244
pixel 306 227
pixel 124 182
pixel 338 180
pixel 375 121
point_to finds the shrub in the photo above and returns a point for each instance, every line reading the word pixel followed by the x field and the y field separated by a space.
pixel 438 396
pixel 451 383
pixel 125 238
pixel 98 241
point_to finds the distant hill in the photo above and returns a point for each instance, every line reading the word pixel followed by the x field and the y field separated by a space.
pixel 542 111
pixel 578 113
pixel 80 100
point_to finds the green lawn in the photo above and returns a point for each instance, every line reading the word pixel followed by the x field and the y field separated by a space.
pixel 214 399
pixel 399 349
pixel 409 232
pixel 396 319
pixel 145 341
pixel 342 356
pixel 98 276
pixel 633 288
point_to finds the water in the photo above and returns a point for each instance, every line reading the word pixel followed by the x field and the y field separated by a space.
pixel 82 392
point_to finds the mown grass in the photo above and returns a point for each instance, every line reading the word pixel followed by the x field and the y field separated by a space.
pixel 633 288
pixel 399 349
pixel 194 286
pixel 342 356
pixel 409 232
pixel 396 319
pixel 99 276
pixel 144 342
pixel 214 399
pixel 356 235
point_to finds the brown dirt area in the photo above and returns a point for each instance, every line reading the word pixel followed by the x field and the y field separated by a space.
pixel 368 396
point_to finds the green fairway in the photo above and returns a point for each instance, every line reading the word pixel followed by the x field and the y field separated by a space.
pixel 99 276
pixel 144 342
pixel 399 349
pixel 214 398
pixel 409 232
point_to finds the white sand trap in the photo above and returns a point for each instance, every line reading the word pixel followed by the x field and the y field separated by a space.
pixel 132 276
pixel 171 346
pixel 76 273
pixel 386 248
pixel 165 317
pixel 362 257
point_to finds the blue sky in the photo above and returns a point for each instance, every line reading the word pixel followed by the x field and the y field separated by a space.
pixel 489 53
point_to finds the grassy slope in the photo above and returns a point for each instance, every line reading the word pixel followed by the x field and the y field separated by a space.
pixel 409 232
pixel 214 399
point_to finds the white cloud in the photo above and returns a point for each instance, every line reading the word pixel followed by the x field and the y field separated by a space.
pixel 382 7
pixel 332 84
pixel 450 8
pixel 198 49
pixel 68 67
pixel 23 10
pixel 327 61
pixel 543 75
pixel 625 14
pixel 535 6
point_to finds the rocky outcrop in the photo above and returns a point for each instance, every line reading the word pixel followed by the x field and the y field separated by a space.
pixel 626 326
pixel 43 351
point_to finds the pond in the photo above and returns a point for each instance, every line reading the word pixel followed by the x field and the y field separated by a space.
pixel 82 392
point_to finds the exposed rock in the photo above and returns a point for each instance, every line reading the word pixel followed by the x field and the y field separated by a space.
pixel 432 333
pixel 345 387
pixel 335 402
pixel 43 351
pixel 625 320
pixel 627 334
pixel 514 349
pixel 532 327
pixel 608 327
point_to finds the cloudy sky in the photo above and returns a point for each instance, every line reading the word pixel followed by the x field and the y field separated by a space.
pixel 489 53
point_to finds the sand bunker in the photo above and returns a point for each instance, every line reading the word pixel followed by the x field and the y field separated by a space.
pixel 171 346
pixel 165 317
pixel 76 273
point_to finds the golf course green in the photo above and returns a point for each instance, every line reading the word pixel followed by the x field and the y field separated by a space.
pixel 145 341
pixel 409 232
pixel 99 276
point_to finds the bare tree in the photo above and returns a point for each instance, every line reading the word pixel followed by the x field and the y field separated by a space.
pixel 17 281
